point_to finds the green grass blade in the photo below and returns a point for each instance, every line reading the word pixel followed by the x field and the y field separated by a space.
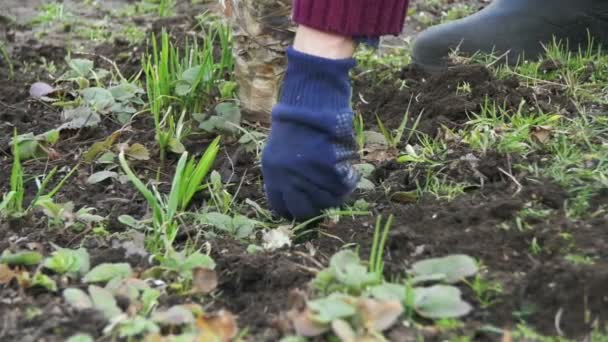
pixel 148 195
pixel 8 198
pixel 16 204
pixel 174 196
pixel 58 187
pixel 372 255
pixel 380 252
pixel 201 171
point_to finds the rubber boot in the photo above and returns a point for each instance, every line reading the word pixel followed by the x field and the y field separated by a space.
pixel 515 30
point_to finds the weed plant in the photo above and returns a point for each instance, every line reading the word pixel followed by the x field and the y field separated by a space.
pixel 187 181
pixel 182 80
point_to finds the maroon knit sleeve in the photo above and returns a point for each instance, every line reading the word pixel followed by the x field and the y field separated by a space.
pixel 370 18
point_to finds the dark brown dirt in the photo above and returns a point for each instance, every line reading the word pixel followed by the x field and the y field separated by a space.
pixel 441 98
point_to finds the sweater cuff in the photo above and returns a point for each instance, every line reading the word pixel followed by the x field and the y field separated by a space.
pixel 352 18
pixel 317 83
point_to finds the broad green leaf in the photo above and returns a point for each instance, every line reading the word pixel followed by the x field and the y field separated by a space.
pixel 182 88
pixel 30 146
pixel 51 136
pixel 219 221
pixel 99 98
pixel 82 67
pixel 191 75
pixel 349 270
pixel 25 258
pixel 452 268
pixel 101 176
pixel 137 326
pixel 388 291
pixel 334 307
pixel 107 158
pixel 104 301
pixel 77 298
pixel 85 215
pixel 198 259
pixel 242 226
pixel 149 299
pixel 227 119
pixel 124 91
pixel 66 260
pixel 79 117
pixel 440 301
pixel 106 272
pixel 129 221
pixel 176 146
pixel 41 279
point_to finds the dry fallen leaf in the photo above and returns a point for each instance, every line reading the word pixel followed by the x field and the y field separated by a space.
pixel 379 153
pixel 137 152
pixel 221 326
pixel 6 274
pixel 379 315
pixel 204 280
pixel 541 134
pixel 344 331
pixel 304 324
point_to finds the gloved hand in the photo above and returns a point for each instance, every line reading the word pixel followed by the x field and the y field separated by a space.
pixel 307 159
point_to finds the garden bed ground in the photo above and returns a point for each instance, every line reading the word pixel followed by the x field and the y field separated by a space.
pixel 552 267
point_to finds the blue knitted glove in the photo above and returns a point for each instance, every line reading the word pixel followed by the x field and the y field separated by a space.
pixel 307 159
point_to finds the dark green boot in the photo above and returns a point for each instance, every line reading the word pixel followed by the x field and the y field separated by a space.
pixel 516 29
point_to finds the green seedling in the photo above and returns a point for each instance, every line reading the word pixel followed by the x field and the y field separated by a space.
pixel 580 259
pixel 7 60
pixel 63 215
pixel 12 204
pixel 221 198
pixel 186 79
pixel 485 291
pixel 376 258
pixel 24 258
pixel 238 226
pixel 36 146
pixel 187 181
pixel 195 172
pixel 359 126
pixel 193 271
pixel 51 13
pixel 103 273
pixel 163 8
pixel 68 261
pixel 349 290
pixel 394 140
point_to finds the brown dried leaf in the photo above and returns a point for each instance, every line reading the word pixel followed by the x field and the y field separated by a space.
pixel 204 280
pixel 304 324
pixel 137 152
pixel 344 331
pixel 379 315
pixel 221 326
pixel 6 274
pixel 541 134
pixel 379 153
